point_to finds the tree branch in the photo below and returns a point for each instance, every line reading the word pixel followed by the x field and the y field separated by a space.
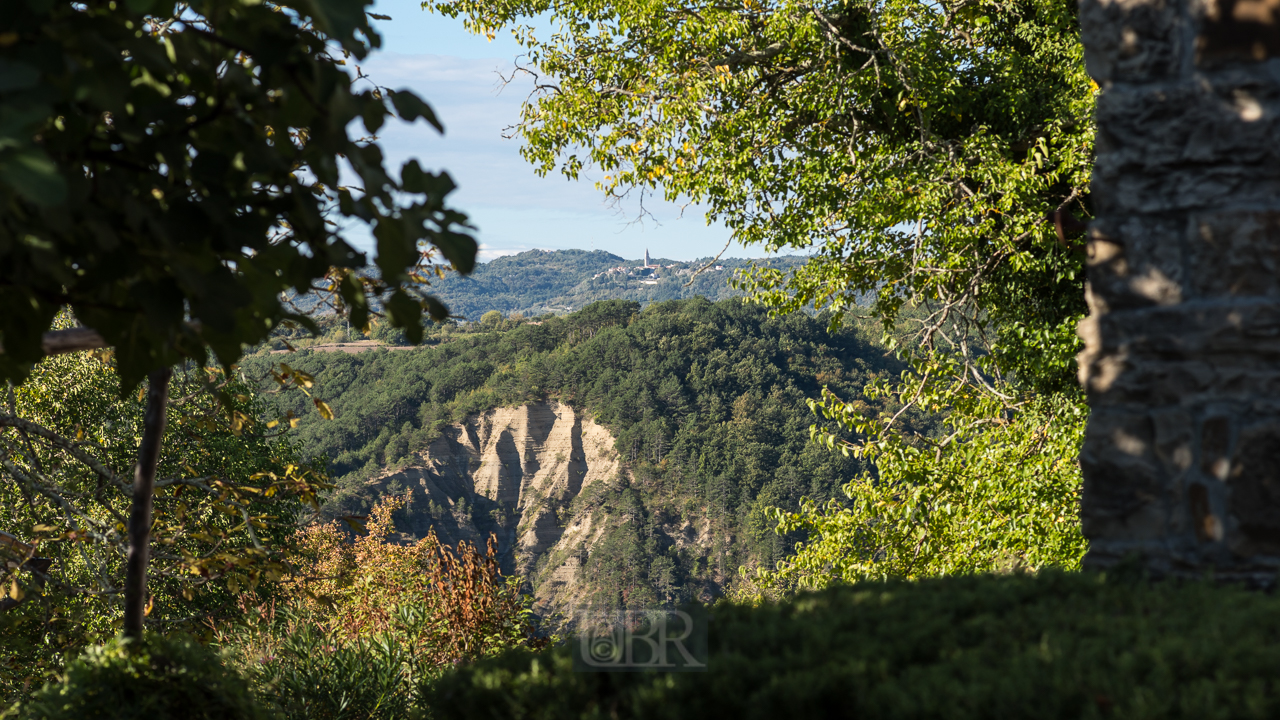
pixel 135 587
pixel 60 342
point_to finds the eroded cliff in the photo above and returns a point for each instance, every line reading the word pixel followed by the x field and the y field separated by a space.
pixel 528 475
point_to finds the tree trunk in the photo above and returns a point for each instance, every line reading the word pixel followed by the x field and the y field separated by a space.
pixel 1181 458
pixel 144 479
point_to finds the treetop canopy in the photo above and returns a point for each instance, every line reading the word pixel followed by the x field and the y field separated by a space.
pixel 168 169
pixel 913 147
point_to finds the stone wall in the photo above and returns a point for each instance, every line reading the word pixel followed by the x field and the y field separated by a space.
pixel 1182 361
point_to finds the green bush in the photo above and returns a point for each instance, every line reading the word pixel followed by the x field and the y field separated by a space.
pixel 1054 645
pixel 156 679
pixel 320 676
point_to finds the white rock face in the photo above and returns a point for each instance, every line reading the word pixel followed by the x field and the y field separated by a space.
pixel 513 472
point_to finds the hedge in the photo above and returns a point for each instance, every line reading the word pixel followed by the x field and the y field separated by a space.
pixel 159 678
pixel 1052 645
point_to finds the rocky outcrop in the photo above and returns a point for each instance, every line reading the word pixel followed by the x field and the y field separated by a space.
pixel 514 472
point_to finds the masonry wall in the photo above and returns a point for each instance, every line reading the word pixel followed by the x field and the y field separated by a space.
pixel 1182 362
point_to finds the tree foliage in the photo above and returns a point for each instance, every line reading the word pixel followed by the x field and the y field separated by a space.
pixel 168 168
pixel 915 150
pixel 362 625
pixel 705 401
pixel 1003 499
pixel 913 147
pixel 160 678
pixel 228 493
pixel 1058 645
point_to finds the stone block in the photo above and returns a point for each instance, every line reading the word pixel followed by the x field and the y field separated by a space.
pixel 1206 523
pixel 1188 146
pixel 1135 262
pixel 1235 31
pixel 1244 328
pixel 1235 253
pixel 1132 40
pixel 1173 437
pixel 1254 484
pixel 1215 447
pixel 1123 482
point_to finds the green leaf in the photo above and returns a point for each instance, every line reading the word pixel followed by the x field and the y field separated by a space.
pixel 41 7
pixel 339 18
pixel 413 179
pixel 396 251
pixel 436 309
pixel 460 250
pixel 17 76
pixel 410 107
pixel 406 313
pixel 19 123
pixel 33 175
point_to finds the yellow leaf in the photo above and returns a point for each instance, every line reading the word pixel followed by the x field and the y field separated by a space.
pixel 15 591
pixel 326 412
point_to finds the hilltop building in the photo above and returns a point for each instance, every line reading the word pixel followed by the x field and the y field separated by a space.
pixel 646 257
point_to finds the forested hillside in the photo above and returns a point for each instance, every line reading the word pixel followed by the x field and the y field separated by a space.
pixel 705 401
pixel 538 282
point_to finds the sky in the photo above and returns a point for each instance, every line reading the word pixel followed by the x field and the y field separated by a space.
pixel 513 209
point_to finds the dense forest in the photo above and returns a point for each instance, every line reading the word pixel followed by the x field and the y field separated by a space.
pixel 706 402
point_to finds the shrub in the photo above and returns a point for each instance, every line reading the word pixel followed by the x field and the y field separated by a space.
pixel 315 677
pixel 1054 645
pixel 451 604
pixel 1002 496
pixel 361 626
pixel 156 679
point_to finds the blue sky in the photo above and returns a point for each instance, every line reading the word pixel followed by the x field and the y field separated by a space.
pixel 513 209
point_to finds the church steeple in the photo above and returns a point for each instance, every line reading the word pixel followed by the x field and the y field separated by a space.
pixel 646 257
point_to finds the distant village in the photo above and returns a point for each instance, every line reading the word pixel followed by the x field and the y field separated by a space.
pixel 651 273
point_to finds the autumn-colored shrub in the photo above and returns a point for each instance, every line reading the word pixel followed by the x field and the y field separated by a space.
pixel 367 622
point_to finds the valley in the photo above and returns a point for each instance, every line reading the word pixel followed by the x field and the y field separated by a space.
pixel 622 457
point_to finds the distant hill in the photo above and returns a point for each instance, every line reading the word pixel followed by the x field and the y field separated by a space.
pixel 538 282
pixel 622 457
